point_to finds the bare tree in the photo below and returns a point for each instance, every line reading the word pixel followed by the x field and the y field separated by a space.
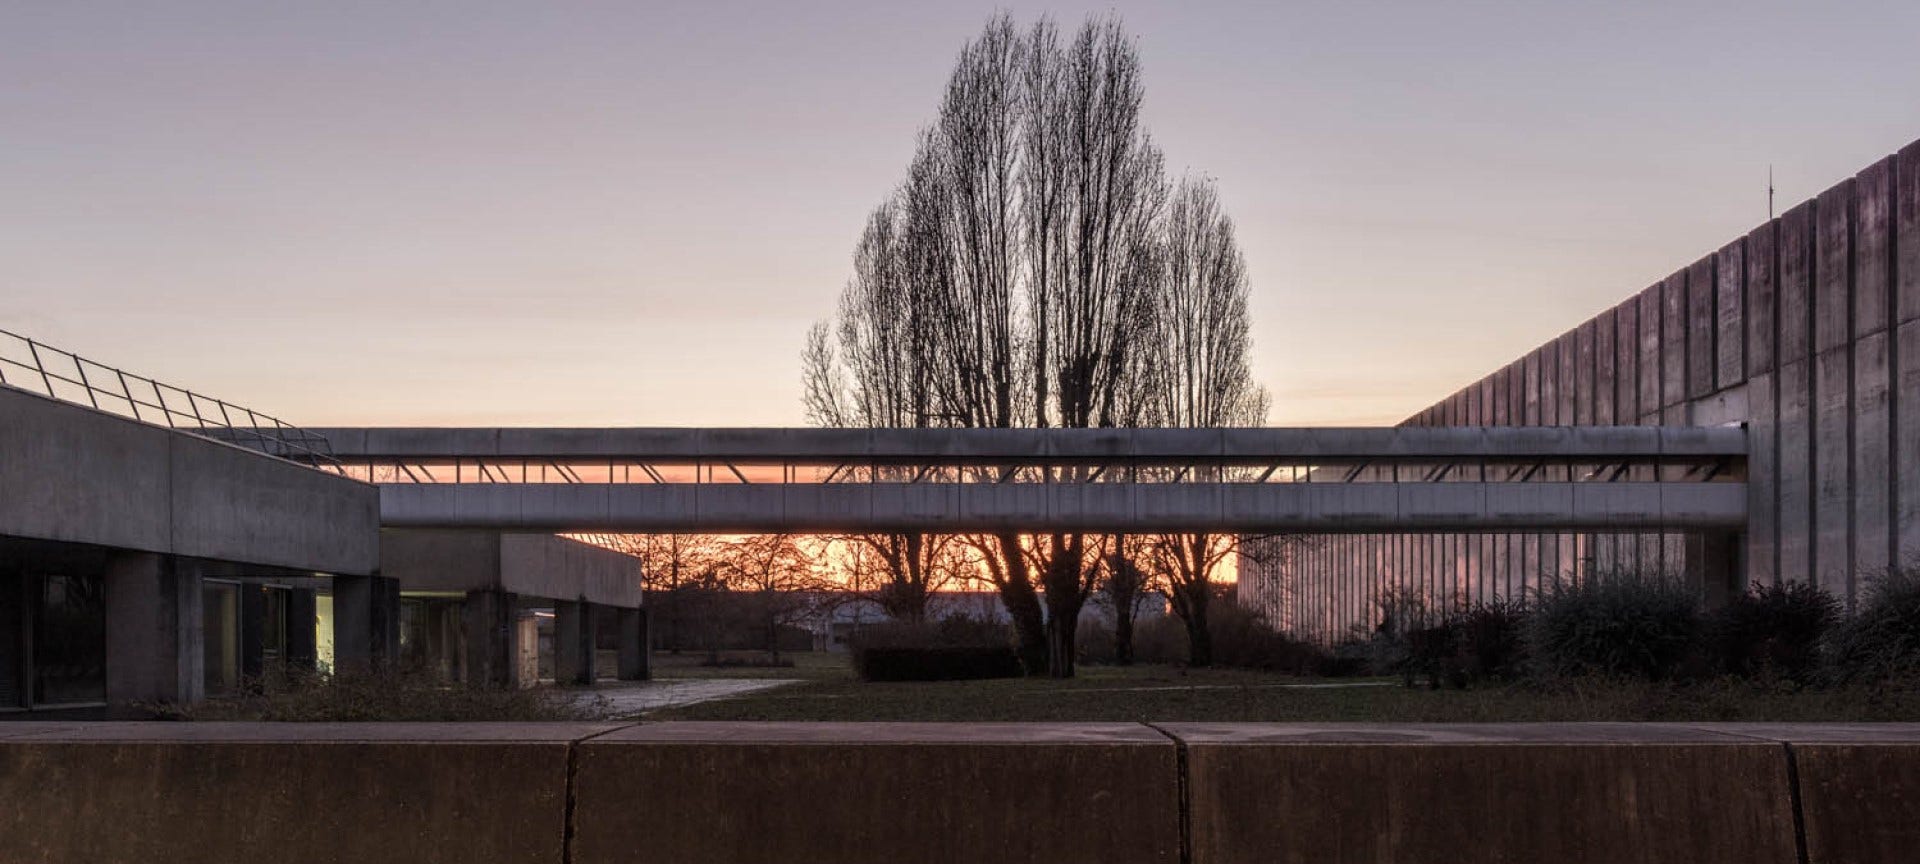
pixel 776 575
pixel 1015 279
pixel 671 567
pixel 1200 377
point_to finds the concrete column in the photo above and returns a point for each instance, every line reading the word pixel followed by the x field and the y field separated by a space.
pixel 573 642
pixel 154 636
pixel 492 639
pixel 253 623
pixel 635 658
pixel 366 621
pixel 1711 566
pixel 303 652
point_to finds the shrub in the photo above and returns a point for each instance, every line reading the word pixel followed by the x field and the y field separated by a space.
pixel 1492 639
pixel 1882 639
pixel 1622 623
pixel 382 695
pixel 1772 631
pixel 952 649
pixel 1241 638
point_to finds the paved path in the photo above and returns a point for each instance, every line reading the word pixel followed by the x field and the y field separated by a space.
pixel 634 698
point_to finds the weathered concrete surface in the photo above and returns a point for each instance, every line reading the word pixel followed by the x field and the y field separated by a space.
pixel 960 507
pixel 412 793
pixel 1467 793
pixel 82 476
pixel 882 792
pixel 1859 786
pixel 998 446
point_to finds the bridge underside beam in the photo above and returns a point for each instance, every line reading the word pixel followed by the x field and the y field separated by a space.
pixel 1101 507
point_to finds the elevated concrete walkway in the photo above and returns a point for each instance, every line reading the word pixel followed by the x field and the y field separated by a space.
pixel 963 480
pixel 72 474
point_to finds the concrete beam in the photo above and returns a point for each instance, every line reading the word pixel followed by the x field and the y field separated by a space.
pixel 104 480
pixel 967 507
pixel 1022 445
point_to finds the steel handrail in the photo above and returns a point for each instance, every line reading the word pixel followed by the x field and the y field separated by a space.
pixel 41 368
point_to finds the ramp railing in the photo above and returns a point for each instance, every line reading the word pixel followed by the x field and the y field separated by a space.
pixel 40 368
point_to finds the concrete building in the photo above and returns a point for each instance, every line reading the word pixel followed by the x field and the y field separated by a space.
pixel 158 546
pixel 143 564
pixel 472 603
pixel 1805 331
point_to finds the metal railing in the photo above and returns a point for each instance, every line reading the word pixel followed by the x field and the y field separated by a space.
pixel 580 470
pixel 40 368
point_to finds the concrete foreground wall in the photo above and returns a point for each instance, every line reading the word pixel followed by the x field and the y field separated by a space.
pixel 846 792
pixel 75 475
pixel 1807 330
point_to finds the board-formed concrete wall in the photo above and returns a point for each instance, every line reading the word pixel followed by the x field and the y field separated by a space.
pixel 532 565
pixel 1807 330
pixel 1058 793
pixel 71 474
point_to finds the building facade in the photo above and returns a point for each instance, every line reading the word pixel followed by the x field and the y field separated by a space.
pixel 1806 331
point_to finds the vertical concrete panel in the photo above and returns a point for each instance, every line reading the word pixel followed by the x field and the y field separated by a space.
pixel 1730 300
pixel 1650 357
pixel 1569 351
pixel 1796 471
pixel 1793 347
pixel 1906 442
pixel 1906 234
pixel 1626 368
pixel 1604 356
pixel 1832 452
pixel 1763 482
pixel 1673 340
pixel 1833 256
pixel 1583 374
pixel 1763 300
pixel 1529 560
pixel 1550 384
pixel 1530 389
pixel 1871 516
pixel 1872 456
pixel 1873 249
pixel 1832 400
pixel 1703 328
pixel 1501 396
pixel 1795 325
pixel 1516 392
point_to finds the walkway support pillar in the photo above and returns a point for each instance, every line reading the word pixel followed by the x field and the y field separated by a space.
pixel 574 641
pixel 635 659
pixel 366 621
pixel 303 649
pixel 1712 566
pixel 492 639
pixel 154 633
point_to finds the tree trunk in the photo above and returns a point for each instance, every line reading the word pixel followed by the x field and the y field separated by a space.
pixel 1199 638
pixel 1123 635
pixel 1023 606
pixel 1060 647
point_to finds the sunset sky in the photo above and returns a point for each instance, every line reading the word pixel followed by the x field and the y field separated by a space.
pixel 628 214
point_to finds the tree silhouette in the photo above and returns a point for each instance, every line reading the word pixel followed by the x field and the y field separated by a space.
pixel 1024 275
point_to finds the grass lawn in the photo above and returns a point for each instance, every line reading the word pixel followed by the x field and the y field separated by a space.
pixel 1166 693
